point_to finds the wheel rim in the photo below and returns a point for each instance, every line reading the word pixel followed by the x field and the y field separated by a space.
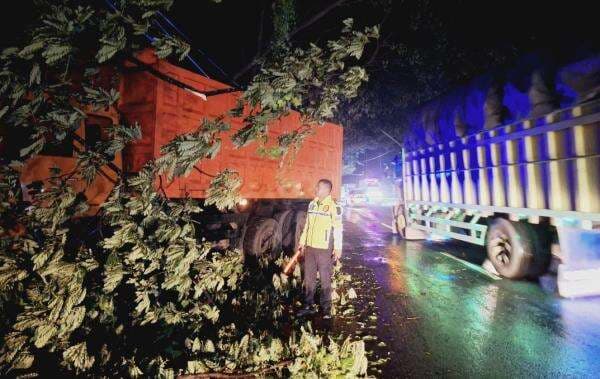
pixel 501 249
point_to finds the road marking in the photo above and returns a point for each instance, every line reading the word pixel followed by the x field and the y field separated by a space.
pixel 365 213
pixel 473 267
pixel 387 226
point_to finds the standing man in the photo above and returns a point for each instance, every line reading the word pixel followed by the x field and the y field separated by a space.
pixel 321 244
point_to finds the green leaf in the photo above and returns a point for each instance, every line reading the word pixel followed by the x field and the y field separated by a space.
pixel 23 361
pixel 73 320
pixel 32 149
pixel 352 294
pixel 77 356
pixel 43 334
pixel 169 45
pixel 113 273
pixel 209 346
pixel 35 76
pixel 29 50
pixel 223 190
pixel 196 345
pixel 197 367
pixel 55 53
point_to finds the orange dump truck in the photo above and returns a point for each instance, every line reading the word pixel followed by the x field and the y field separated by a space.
pixel 271 212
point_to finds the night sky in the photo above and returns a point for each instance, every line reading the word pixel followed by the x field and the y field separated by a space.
pixel 227 31
pixel 454 40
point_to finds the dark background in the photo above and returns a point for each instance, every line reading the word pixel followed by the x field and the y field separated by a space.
pixel 426 48
pixel 227 31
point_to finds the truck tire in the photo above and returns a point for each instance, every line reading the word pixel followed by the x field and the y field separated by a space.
pixel 515 249
pixel 285 219
pixel 299 226
pixel 262 237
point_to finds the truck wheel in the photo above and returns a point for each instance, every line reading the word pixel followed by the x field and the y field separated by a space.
pixel 285 219
pixel 262 237
pixel 515 249
pixel 300 220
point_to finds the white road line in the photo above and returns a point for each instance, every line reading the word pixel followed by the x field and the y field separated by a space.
pixel 365 213
pixel 387 226
pixel 473 267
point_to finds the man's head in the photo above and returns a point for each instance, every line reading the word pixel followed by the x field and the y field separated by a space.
pixel 324 187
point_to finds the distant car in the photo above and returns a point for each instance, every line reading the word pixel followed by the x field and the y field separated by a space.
pixel 376 192
pixel 374 195
pixel 357 198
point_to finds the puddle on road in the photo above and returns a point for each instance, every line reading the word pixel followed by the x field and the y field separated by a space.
pixel 379 259
pixel 439 314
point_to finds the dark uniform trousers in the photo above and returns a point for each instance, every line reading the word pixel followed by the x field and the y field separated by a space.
pixel 321 261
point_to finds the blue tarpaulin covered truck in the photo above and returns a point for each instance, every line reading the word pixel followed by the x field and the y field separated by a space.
pixel 512 163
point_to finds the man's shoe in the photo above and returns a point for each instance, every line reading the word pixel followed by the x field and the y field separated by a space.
pixel 306 311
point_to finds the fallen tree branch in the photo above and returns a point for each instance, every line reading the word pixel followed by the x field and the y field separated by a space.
pixel 245 375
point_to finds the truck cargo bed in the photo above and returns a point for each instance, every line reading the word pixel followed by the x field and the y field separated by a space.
pixel 164 111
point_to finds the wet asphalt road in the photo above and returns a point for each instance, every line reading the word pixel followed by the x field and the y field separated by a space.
pixel 432 314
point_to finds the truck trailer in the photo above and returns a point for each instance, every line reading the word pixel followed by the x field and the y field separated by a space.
pixel 271 212
pixel 525 187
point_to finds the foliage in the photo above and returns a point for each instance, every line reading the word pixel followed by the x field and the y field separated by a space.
pixel 181 154
pixel 313 81
pixel 318 360
pixel 223 190
pixel 137 290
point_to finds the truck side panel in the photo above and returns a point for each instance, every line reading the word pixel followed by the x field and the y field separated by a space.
pixel 38 167
pixel 172 111
pixel 549 166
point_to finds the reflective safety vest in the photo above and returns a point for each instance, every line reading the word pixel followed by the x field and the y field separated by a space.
pixel 323 224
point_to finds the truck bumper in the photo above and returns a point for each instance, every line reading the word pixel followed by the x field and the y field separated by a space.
pixel 579 272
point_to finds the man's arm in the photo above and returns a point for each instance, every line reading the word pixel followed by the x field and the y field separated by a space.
pixel 303 236
pixel 338 229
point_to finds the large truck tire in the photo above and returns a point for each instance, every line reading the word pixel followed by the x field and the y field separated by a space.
pixel 285 219
pixel 262 237
pixel 299 226
pixel 515 249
